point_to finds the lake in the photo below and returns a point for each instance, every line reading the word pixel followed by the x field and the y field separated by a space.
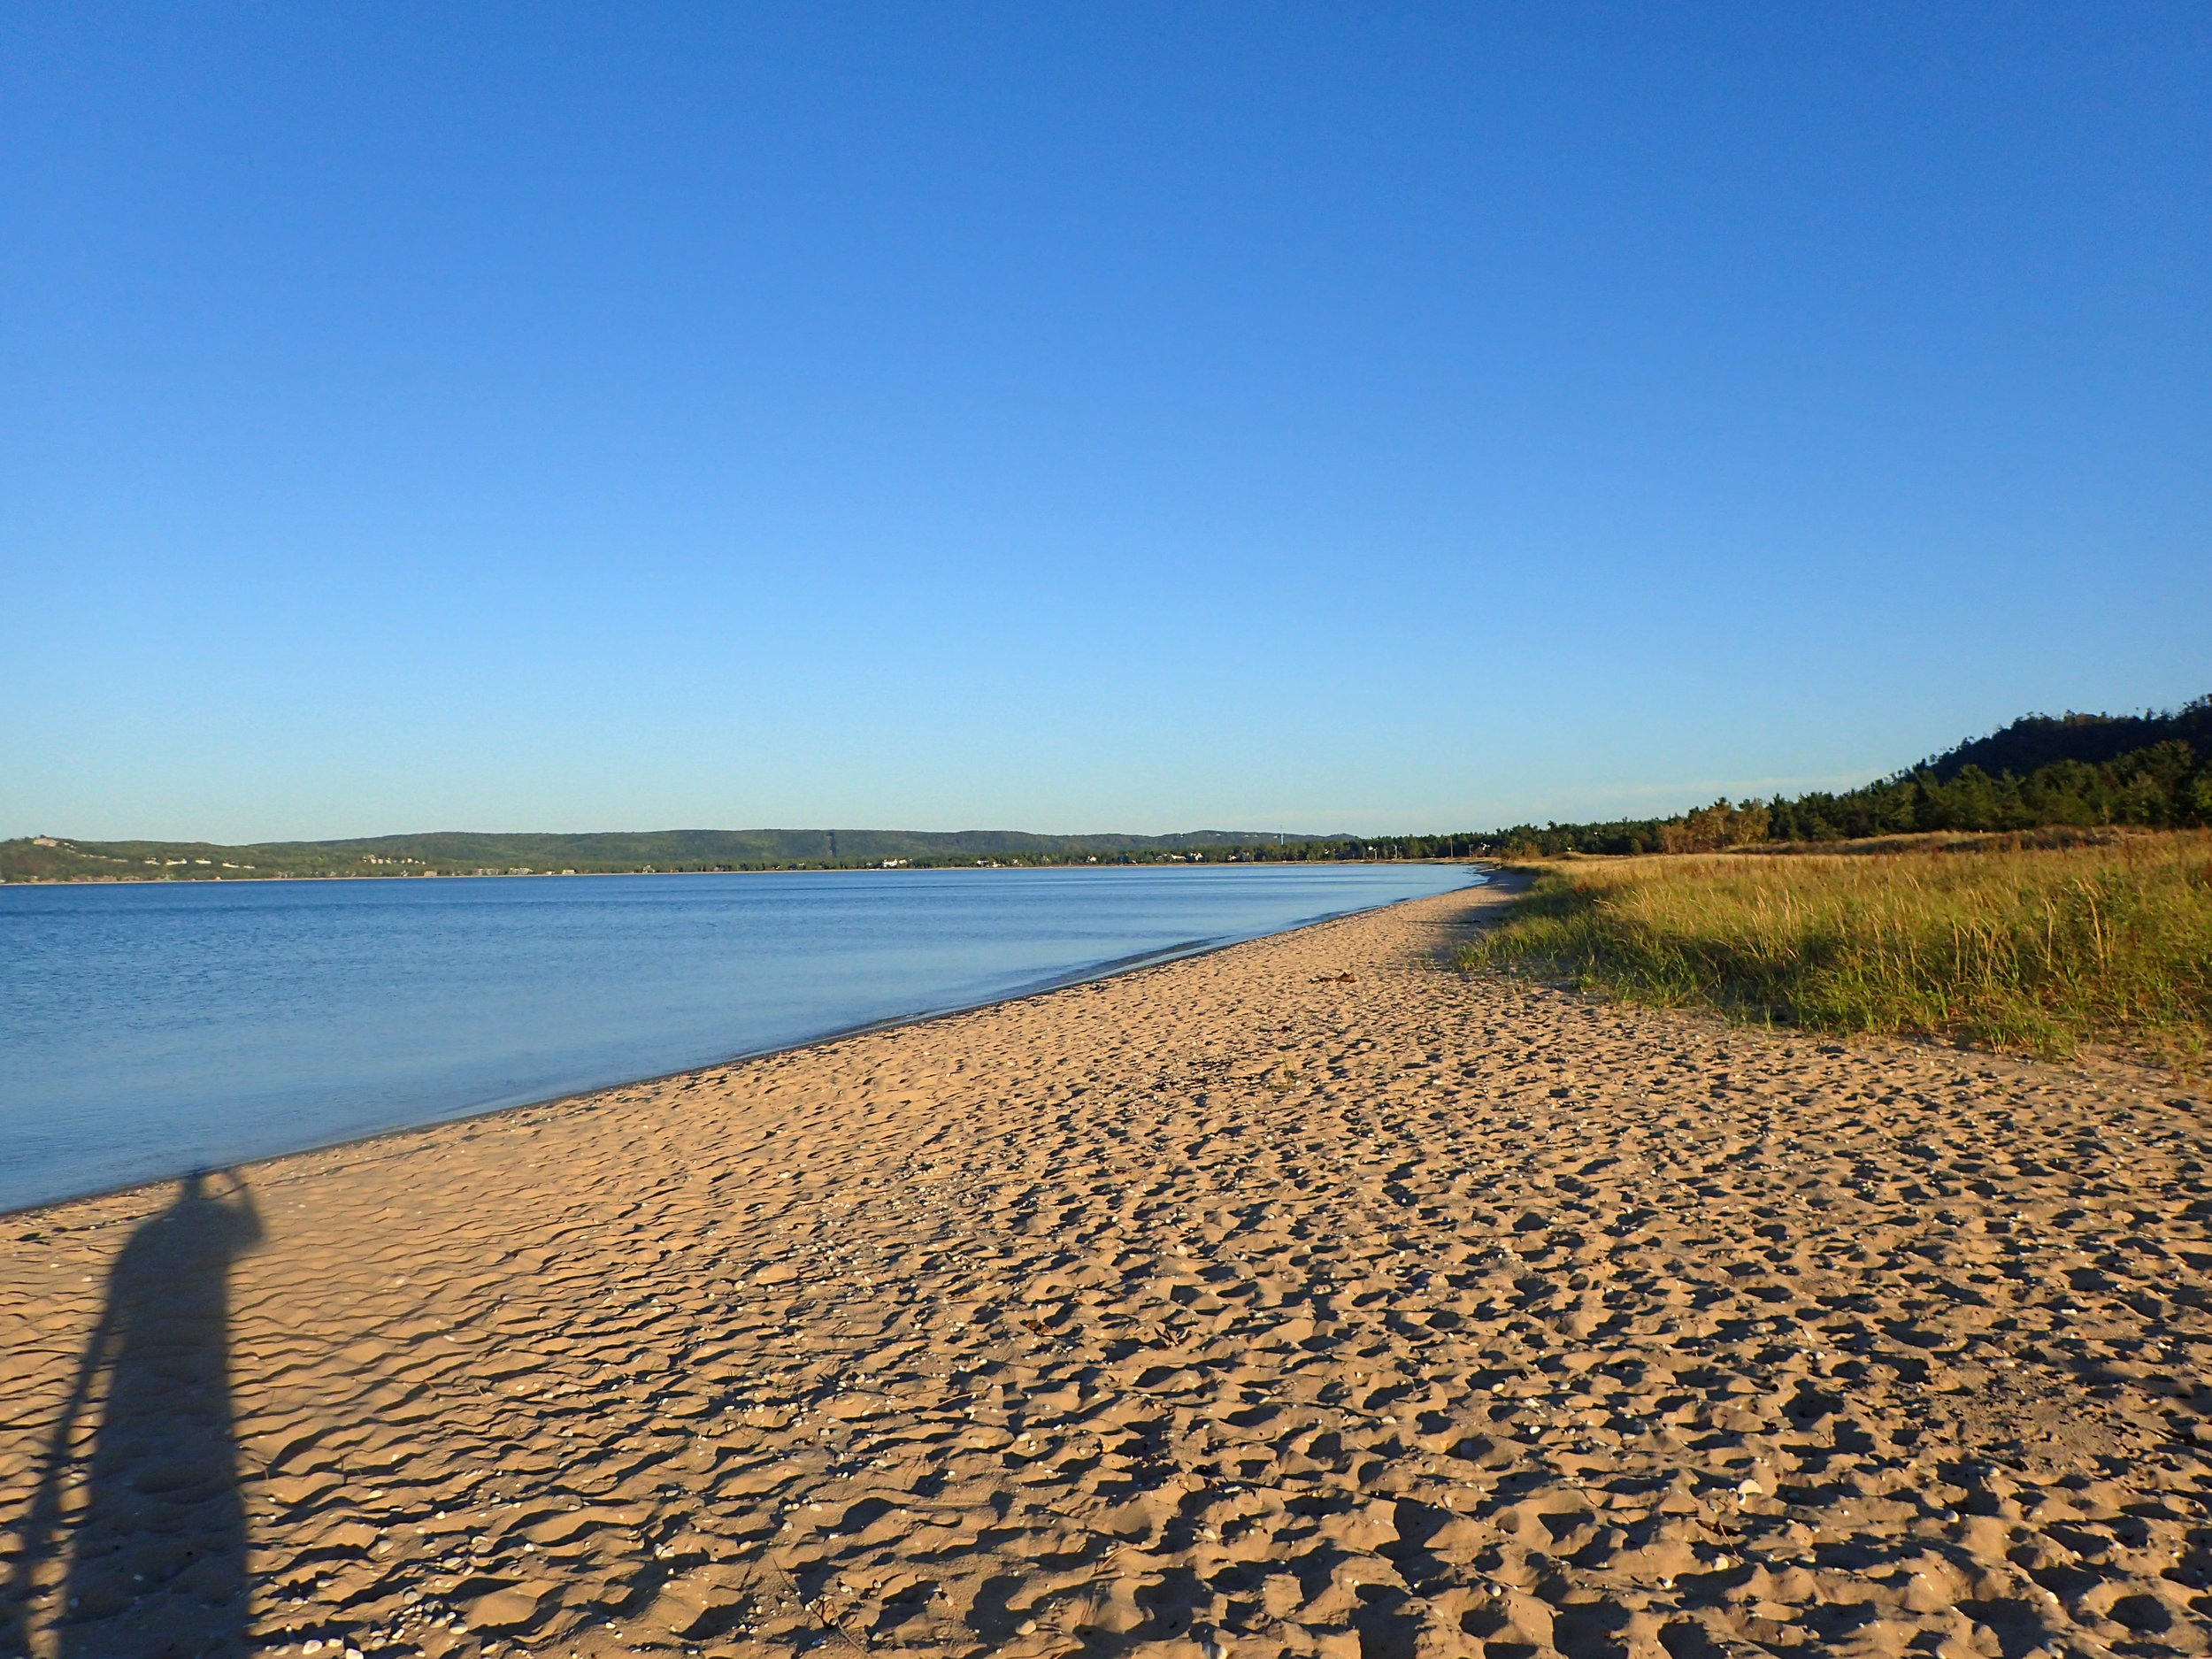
pixel 146 1030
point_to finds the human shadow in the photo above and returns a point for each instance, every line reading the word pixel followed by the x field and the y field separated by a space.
pixel 147 1533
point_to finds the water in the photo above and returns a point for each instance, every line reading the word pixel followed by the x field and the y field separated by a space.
pixel 148 1030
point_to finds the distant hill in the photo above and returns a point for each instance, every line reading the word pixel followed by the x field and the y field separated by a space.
pixel 457 852
pixel 2036 741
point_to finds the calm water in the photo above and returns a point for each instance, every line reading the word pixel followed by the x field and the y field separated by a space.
pixel 148 1030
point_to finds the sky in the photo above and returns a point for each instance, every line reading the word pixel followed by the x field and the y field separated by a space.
pixel 1082 418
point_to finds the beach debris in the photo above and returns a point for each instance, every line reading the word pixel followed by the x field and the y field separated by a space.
pixel 1333 978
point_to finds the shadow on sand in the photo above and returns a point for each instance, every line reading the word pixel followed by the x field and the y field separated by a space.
pixel 146 1529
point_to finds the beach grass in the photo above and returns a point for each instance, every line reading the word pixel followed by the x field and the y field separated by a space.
pixel 2017 948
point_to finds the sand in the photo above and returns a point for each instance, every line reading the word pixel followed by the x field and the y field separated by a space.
pixel 1304 1298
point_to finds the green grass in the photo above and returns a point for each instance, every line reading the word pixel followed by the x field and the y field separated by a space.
pixel 2036 950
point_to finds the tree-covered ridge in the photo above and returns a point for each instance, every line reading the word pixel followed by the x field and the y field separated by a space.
pixel 2036 741
pixel 2166 784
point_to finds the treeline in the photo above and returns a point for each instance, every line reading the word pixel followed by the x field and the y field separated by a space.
pixel 2166 784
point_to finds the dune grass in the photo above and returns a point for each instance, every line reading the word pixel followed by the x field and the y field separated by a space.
pixel 2036 950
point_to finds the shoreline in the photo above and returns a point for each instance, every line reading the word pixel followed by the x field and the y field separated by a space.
pixel 1304 1297
pixel 1112 969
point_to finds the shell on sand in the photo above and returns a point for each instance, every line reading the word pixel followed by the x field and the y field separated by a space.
pixel 1304 1298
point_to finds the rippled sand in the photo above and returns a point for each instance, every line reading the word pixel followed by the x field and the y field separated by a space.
pixel 1303 1298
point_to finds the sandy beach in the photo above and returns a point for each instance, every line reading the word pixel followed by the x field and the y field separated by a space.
pixel 1303 1298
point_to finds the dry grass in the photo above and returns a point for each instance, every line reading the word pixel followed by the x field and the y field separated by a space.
pixel 2027 949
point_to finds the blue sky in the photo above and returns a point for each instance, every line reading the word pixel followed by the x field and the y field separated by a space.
pixel 1071 418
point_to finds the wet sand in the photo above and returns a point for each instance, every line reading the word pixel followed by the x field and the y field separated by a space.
pixel 1304 1298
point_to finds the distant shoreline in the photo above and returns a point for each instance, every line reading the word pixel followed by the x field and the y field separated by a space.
pixel 770 870
pixel 45 860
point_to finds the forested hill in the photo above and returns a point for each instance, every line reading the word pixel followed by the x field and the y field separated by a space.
pixel 2077 771
pixel 2036 741
pixel 53 858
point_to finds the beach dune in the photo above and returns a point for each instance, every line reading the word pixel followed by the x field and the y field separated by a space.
pixel 1302 1298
